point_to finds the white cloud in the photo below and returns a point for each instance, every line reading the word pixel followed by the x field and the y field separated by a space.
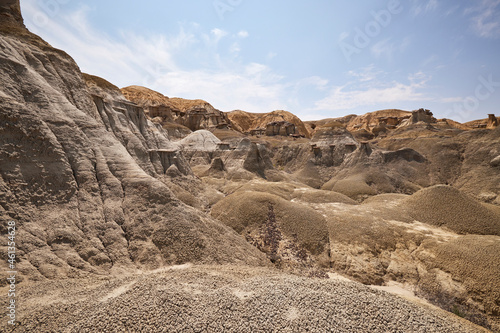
pixel 451 10
pixel 187 64
pixel 431 5
pixel 369 93
pixel 420 7
pixel 243 34
pixel 365 74
pixel 235 48
pixel 315 81
pixel 429 60
pixel 271 55
pixel 218 34
pixel 419 79
pixel 388 49
pixel 225 90
pixel 485 20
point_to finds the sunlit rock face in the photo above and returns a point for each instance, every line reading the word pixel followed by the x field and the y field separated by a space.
pixel 81 172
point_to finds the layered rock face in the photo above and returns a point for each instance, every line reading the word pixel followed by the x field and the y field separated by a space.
pixel 245 160
pixel 79 173
pixel 279 122
pixel 193 114
pixel 392 118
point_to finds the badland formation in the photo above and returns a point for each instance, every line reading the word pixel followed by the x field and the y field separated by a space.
pixel 139 212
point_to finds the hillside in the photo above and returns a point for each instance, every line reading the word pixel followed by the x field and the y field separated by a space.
pixel 246 122
pixel 169 112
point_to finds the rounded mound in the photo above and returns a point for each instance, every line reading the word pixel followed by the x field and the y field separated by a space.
pixel 322 196
pixel 246 212
pixel 473 259
pixel 280 189
pixel 385 198
pixel 355 187
pixel 445 206
pixel 202 140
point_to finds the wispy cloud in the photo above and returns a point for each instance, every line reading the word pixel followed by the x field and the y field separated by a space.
pixel 451 10
pixel 365 74
pixel 192 63
pixel 485 18
pixel 243 34
pixel 388 49
pixel 422 7
pixel 218 34
pixel 371 92
pixel 271 55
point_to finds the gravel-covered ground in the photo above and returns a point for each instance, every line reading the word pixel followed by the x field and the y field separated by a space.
pixel 221 299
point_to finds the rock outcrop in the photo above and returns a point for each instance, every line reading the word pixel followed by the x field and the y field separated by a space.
pixel 193 114
pixel 10 12
pixel 274 123
pixel 391 118
pixel 283 128
pixel 421 115
pixel 492 121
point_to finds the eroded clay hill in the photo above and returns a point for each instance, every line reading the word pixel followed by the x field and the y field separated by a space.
pixel 80 168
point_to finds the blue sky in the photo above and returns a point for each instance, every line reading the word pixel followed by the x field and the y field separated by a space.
pixel 316 59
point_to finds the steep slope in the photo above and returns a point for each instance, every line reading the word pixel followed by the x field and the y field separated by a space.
pixel 79 172
pixel 460 158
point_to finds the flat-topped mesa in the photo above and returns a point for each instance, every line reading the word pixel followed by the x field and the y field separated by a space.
pixel 492 121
